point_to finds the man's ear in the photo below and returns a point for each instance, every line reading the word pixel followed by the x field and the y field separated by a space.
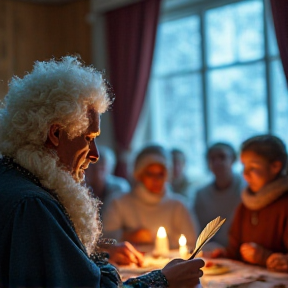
pixel 276 167
pixel 53 135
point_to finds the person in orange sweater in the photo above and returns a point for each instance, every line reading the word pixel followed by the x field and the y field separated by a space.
pixel 259 232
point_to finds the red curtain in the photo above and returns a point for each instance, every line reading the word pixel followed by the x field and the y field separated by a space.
pixel 280 17
pixel 131 32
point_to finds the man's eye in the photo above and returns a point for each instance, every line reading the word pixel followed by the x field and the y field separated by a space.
pixel 89 139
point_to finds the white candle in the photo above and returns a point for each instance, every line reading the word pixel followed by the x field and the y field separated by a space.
pixel 183 249
pixel 161 243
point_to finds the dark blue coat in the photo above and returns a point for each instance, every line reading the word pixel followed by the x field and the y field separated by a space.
pixel 38 245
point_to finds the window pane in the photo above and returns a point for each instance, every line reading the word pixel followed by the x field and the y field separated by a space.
pixel 178 46
pixel 280 94
pixel 180 113
pixel 272 42
pixel 235 33
pixel 237 103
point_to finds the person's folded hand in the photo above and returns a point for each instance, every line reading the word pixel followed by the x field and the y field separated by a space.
pixel 139 236
pixel 277 262
pixel 217 253
pixel 254 253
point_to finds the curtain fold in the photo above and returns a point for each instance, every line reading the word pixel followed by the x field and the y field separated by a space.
pixel 280 17
pixel 131 33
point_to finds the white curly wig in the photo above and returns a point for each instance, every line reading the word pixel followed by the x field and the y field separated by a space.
pixel 55 92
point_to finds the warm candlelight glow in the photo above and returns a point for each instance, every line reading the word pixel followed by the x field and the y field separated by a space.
pixel 161 243
pixel 161 232
pixel 183 249
pixel 182 240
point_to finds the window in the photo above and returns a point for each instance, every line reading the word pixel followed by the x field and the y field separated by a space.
pixel 216 76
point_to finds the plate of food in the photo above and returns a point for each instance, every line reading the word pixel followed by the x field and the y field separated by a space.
pixel 215 268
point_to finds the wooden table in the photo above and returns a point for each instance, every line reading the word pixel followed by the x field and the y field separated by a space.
pixel 240 275
pixel 243 275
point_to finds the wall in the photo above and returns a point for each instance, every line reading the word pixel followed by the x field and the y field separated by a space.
pixel 30 32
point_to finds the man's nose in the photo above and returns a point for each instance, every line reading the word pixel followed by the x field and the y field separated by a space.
pixel 93 154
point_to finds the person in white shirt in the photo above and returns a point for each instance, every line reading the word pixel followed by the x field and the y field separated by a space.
pixel 222 195
pixel 136 216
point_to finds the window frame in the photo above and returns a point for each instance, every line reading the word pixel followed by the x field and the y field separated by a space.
pixel 199 8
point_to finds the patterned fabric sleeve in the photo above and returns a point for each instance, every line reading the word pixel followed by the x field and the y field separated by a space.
pixel 153 279
pixel 110 277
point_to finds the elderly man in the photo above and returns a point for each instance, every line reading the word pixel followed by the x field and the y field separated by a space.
pixel 50 228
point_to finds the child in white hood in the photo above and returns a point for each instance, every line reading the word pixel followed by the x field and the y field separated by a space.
pixel 136 216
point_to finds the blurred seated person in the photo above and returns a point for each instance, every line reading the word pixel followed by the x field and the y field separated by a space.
pixel 50 229
pixel 99 178
pixel 179 181
pixel 136 216
pixel 222 195
pixel 259 231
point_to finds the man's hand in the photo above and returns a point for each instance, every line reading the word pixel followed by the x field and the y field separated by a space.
pixel 183 273
pixel 254 253
pixel 124 254
pixel 277 262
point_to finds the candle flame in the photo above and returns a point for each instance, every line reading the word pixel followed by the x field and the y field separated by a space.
pixel 182 240
pixel 161 232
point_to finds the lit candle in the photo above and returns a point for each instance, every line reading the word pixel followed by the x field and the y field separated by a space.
pixel 161 244
pixel 183 249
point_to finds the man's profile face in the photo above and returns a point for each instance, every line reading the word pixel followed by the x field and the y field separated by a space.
pixel 76 154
